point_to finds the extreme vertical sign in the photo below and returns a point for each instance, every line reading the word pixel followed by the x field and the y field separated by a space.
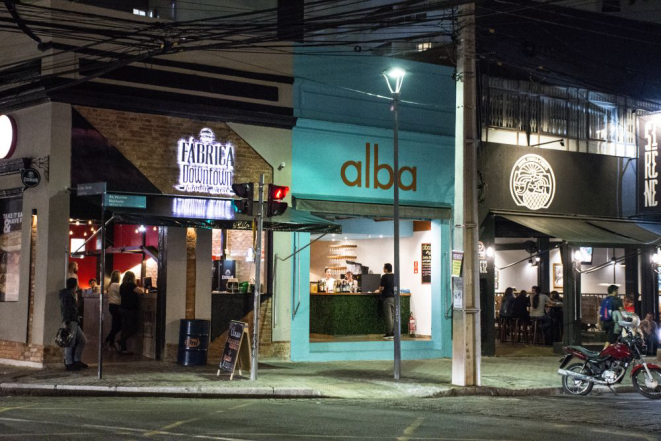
pixel 648 159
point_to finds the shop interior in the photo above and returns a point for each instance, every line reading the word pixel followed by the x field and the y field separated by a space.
pixel 136 248
pixel 353 312
pixel 517 265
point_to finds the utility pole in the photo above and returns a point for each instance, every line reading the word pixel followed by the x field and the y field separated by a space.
pixel 466 344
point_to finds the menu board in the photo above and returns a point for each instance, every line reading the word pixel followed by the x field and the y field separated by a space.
pixel 426 263
pixel 10 248
pixel 237 349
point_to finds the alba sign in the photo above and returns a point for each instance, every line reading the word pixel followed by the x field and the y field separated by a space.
pixel 205 165
pixel 352 173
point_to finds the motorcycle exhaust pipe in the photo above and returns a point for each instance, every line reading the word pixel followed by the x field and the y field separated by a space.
pixel 580 376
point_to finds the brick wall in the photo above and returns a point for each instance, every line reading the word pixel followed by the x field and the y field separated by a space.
pixel 12 350
pixel 150 143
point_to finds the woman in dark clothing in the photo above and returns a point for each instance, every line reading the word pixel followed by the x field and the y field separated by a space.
pixel 129 310
pixel 506 305
pixel 520 309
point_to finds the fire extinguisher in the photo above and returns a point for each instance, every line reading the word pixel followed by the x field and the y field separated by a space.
pixel 412 327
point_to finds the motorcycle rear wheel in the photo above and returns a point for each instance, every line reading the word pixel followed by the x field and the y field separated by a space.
pixel 639 383
pixel 573 385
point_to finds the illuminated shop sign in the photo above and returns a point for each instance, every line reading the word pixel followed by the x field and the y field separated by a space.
pixel 650 154
pixel 649 132
pixel 205 165
pixel 7 136
pixel 532 182
pixel 202 208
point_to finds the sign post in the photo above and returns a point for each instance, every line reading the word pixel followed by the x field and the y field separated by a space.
pixel 258 268
pixel 92 189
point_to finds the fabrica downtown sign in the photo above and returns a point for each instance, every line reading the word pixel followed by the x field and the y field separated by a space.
pixel 205 165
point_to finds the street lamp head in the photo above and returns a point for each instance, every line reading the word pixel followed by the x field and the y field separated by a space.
pixel 394 78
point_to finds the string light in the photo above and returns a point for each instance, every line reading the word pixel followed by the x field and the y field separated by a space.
pixel 70 233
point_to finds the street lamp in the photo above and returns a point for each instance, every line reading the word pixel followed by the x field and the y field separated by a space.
pixel 394 78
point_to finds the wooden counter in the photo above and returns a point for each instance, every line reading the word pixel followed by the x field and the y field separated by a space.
pixel 346 313
pixel 353 294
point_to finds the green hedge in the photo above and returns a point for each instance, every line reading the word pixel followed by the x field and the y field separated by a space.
pixel 352 315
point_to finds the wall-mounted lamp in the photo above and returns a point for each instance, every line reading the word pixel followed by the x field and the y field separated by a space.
pixel 490 252
pixel 561 141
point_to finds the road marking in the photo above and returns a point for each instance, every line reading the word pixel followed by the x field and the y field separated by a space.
pixel 49 435
pixel 635 435
pixel 410 430
pixel 240 406
pixel 5 409
pixel 169 426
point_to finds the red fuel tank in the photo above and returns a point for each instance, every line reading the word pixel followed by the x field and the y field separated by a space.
pixel 618 350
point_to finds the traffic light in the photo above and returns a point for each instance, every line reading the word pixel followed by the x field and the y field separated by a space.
pixel 276 194
pixel 245 191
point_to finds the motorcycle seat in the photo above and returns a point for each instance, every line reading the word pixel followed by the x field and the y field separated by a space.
pixel 586 352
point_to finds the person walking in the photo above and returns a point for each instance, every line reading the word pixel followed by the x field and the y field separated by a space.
pixel 129 309
pixel 386 293
pixel 69 310
pixel 114 305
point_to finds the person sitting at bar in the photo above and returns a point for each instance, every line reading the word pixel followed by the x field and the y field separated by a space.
pixel 555 312
pixel 329 281
pixel 520 308
pixel 538 302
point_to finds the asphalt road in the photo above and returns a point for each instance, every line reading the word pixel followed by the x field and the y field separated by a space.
pixel 608 417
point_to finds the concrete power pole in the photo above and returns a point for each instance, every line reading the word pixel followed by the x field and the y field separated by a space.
pixel 466 345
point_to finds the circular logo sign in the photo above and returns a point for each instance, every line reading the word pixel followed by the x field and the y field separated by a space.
pixel 7 136
pixel 30 177
pixel 532 182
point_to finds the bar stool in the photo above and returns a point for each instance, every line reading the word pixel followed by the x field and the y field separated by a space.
pixel 520 329
pixel 504 328
pixel 537 326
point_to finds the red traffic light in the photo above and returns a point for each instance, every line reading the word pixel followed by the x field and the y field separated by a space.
pixel 277 192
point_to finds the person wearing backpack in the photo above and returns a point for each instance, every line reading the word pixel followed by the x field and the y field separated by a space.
pixel 609 305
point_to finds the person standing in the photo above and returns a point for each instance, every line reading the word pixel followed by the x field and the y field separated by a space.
pixel 72 273
pixel 386 293
pixel 611 304
pixel 329 281
pixel 70 316
pixel 129 309
pixel 114 304
pixel 650 330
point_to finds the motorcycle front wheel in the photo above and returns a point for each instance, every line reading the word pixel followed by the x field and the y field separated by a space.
pixel 573 385
pixel 644 386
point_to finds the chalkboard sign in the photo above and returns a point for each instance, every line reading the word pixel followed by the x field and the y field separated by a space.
pixel 426 263
pixel 237 349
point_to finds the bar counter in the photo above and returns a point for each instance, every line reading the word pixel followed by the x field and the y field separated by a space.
pixel 352 313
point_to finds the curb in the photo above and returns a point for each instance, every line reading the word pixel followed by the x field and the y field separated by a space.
pixel 174 392
pixel 504 392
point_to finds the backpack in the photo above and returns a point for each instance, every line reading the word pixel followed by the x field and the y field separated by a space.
pixel 606 309
pixel 506 308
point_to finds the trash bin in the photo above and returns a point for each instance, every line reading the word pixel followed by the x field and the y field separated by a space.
pixel 193 342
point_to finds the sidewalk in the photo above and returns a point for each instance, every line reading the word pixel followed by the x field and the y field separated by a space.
pixel 356 379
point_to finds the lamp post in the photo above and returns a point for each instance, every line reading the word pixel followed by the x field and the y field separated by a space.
pixel 394 78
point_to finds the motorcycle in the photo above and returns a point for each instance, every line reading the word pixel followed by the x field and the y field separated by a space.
pixel 609 366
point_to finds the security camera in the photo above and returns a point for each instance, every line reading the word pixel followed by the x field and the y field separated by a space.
pixel 281 166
